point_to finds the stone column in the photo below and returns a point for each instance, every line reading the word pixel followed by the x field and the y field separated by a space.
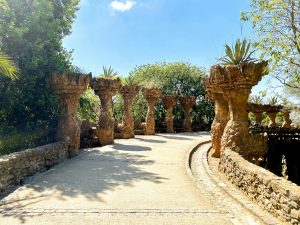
pixel 128 93
pixel 219 123
pixel 272 117
pixel 287 121
pixel 69 87
pixel 258 117
pixel 236 133
pixel 105 88
pixel 235 83
pixel 151 95
pixel 169 102
pixel 187 103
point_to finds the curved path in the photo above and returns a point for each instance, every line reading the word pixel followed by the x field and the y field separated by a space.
pixel 137 181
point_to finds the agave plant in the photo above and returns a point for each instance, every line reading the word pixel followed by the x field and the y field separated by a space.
pixel 238 54
pixel 130 80
pixel 8 67
pixel 273 100
pixel 109 73
pixel 256 99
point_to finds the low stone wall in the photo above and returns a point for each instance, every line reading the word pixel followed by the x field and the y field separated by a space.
pixel 15 166
pixel 275 194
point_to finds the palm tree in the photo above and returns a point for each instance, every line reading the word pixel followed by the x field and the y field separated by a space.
pixel 7 67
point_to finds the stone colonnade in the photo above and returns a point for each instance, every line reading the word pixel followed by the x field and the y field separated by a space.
pixel 234 83
pixel 69 87
pixel 272 111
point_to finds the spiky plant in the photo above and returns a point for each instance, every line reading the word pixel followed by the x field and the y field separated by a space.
pixel 273 100
pixel 109 73
pixel 130 80
pixel 7 67
pixel 256 99
pixel 238 54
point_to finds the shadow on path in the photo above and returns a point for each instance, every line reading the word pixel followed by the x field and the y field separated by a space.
pixel 137 148
pixel 150 140
pixel 91 175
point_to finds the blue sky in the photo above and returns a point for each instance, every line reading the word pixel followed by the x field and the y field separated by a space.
pixel 126 33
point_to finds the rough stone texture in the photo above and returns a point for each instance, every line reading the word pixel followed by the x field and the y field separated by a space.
pixel 272 117
pixel 69 87
pixel 220 121
pixel 88 137
pixel 14 167
pixel 128 93
pixel 287 121
pixel 276 195
pixel 151 95
pixel 105 88
pixel 235 83
pixel 169 102
pixel 187 103
pixel 257 110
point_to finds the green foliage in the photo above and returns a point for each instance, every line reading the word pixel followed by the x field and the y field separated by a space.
pixel 16 141
pixel 257 99
pixel 180 79
pixel 139 108
pixel 129 80
pixel 239 53
pixel 273 100
pixel 276 23
pixel 89 107
pixel 31 33
pixel 8 67
pixel 109 73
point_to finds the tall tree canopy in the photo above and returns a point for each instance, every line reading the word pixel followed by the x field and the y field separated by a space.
pixel 178 78
pixel 277 23
pixel 31 33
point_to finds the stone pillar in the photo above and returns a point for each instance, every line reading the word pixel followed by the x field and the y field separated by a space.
pixel 235 83
pixel 105 88
pixel 128 93
pixel 272 117
pixel 169 102
pixel 187 103
pixel 151 95
pixel 236 133
pixel 287 121
pixel 258 117
pixel 219 123
pixel 69 87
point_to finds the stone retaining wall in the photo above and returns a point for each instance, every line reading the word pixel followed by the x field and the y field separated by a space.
pixel 275 194
pixel 15 166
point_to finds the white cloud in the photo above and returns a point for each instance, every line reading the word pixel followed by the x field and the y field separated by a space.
pixel 122 6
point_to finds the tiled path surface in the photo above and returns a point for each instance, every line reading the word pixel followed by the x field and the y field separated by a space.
pixel 137 181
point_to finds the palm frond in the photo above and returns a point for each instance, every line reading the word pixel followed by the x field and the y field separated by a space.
pixel 109 73
pixel 7 67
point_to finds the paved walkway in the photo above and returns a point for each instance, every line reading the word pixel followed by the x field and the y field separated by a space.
pixel 137 181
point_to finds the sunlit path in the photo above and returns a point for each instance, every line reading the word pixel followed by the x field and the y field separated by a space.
pixel 136 181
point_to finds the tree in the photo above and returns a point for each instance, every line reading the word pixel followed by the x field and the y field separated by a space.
pixel 178 78
pixel 31 33
pixel 277 23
